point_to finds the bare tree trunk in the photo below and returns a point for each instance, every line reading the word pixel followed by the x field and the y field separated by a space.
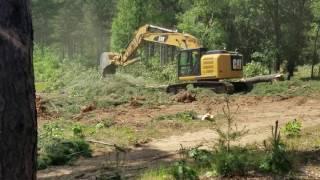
pixel 276 22
pixel 314 58
pixel 18 125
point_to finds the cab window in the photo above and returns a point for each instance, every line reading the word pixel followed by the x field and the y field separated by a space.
pixel 189 63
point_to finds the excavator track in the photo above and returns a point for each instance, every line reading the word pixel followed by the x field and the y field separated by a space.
pixel 216 86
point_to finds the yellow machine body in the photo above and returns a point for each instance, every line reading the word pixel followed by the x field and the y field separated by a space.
pixel 213 65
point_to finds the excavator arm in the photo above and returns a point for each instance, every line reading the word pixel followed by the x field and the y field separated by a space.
pixel 149 33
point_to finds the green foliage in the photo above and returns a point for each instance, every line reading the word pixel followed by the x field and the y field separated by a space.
pixel 47 66
pixel 51 130
pixel 198 21
pixel 202 158
pixel 80 84
pixel 58 149
pixel 129 17
pixel 152 71
pixel 276 160
pixel 159 173
pixel 83 29
pixel 181 116
pixel 286 88
pixel 234 162
pixel 62 151
pixel 131 14
pixel 105 123
pixel 181 171
pixel 78 131
pixel 255 69
pixel 231 133
pixel 292 128
pixel 74 28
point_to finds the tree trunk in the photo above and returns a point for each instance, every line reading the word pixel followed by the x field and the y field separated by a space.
pixel 315 48
pixel 18 125
pixel 276 22
pixel 264 78
pixel 291 65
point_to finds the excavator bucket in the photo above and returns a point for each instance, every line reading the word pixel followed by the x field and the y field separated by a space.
pixel 106 66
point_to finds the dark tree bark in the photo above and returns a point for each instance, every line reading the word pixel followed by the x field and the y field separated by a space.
pixel 315 55
pixel 277 31
pixel 18 125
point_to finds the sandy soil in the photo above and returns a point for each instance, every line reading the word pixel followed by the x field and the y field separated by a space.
pixel 257 114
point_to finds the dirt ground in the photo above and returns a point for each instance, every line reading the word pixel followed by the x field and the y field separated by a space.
pixel 257 114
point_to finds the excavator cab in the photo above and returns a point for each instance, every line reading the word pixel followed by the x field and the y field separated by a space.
pixel 189 62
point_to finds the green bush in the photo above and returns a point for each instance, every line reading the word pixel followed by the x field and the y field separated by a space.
pixel 292 128
pixel 233 163
pixel 255 69
pixel 78 131
pixel 62 151
pixel 181 171
pixel 276 160
pixel 202 158
pixel 57 148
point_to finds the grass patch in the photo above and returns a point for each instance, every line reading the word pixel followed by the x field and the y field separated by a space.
pixel 181 116
pixel 160 173
pixel 62 151
pixel 59 144
pixel 41 86
pixel 152 71
pixel 239 161
pixel 294 87
pixel 308 140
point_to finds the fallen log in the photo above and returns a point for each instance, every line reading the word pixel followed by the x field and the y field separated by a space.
pixel 121 149
pixel 264 78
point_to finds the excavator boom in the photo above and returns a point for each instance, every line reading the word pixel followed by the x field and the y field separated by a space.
pixel 149 33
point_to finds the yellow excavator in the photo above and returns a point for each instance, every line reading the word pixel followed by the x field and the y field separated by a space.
pixel 196 65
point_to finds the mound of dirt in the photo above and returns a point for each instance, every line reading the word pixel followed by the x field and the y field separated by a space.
pixel 184 97
pixel 88 108
pixel 136 101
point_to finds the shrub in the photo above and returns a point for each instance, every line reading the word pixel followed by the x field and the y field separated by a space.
pixel 231 133
pixel 181 171
pixel 55 148
pixel 202 158
pixel 231 163
pixel 276 160
pixel 62 151
pixel 292 128
pixel 77 131
pixel 255 69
